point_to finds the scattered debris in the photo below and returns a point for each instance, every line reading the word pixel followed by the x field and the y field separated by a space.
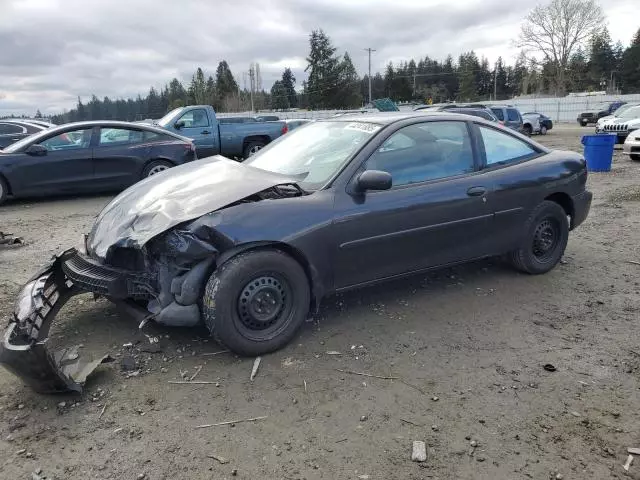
pixel 333 352
pixel 627 464
pixel 435 399
pixel 219 459
pixel 435 428
pixel 195 382
pixel 234 472
pixel 549 367
pixel 633 262
pixel 21 451
pixel 576 414
pixel 419 452
pixel 473 443
pixel 102 411
pixel 364 418
pixel 254 370
pixel 8 239
pixel 198 368
pixel 230 422
pixel 305 385
pixel 633 451
pixel 367 374
pixel 363 477
pixel 410 422
pixel 214 353
pixel 141 476
pixel 127 363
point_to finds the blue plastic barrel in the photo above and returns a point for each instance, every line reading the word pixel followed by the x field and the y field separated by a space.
pixel 598 151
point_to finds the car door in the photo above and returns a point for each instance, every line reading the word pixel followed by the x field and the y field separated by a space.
pixel 434 214
pixel 65 167
pixel 512 182
pixel 198 127
pixel 119 156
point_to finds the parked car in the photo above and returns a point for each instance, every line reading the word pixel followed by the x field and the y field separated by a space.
pixel 295 123
pixel 89 157
pixel 628 121
pixel 619 111
pixel 632 144
pixel 598 111
pixel 545 123
pixel 481 112
pixel 250 249
pixel 509 116
pixel 212 137
pixel 12 130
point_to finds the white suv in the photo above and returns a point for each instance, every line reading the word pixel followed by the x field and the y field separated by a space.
pixel 621 125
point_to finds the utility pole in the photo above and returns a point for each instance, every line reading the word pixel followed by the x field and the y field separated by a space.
pixel 495 83
pixel 369 50
pixel 251 84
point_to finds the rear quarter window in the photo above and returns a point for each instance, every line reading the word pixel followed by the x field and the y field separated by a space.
pixel 498 113
pixel 513 115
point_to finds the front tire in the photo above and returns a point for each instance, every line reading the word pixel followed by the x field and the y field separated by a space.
pixel 255 302
pixel 584 123
pixel 527 130
pixel 547 233
pixel 156 166
pixel 543 130
pixel 4 190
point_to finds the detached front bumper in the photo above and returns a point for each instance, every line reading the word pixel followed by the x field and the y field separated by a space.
pixel 23 347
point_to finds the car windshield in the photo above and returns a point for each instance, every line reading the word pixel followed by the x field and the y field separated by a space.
pixel 166 120
pixel 633 112
pixel 315 153
pixel 620 110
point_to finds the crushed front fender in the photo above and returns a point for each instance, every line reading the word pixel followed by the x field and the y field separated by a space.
pixel 23 347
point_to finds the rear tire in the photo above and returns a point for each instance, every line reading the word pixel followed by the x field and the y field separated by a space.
pixel 255 302
pixel 156 166
pixel 4 190
pixel 252 148
pixel 545 240
pixel 527 130
pixel 584 123
pixel 543 130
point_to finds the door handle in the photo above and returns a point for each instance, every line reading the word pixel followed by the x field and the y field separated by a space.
pixel 205 132
pixel 476 191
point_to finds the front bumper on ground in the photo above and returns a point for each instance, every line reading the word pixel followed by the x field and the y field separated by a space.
pixel 23 347
pixel 581 207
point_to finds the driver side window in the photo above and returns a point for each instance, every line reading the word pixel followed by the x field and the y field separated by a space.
pixel 74 139
pixel 425 151
pixel 195 118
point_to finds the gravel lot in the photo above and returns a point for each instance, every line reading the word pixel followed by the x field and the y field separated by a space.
pixel 467 344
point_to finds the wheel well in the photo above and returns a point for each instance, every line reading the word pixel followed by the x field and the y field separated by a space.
pixel 148 162
pixel 256 138
pixel 314 285
pixel 565 202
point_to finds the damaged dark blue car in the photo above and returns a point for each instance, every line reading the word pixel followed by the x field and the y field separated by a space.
pixel 251 248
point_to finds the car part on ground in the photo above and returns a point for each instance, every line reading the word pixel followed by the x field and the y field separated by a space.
pixel 88 157
pixel 250 249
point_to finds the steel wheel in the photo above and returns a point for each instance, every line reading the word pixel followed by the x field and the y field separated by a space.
pixel 264 306
pixel 543 130
pixel 545 239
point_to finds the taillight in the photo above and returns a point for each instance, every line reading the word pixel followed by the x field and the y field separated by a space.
pixel 285 129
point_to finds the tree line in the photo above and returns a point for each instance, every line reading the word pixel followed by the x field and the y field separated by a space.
pixel 333 82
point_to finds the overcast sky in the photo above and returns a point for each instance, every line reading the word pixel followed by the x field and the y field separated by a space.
pixel 51 51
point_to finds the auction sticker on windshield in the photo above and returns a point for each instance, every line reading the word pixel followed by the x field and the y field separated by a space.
pixel 363 127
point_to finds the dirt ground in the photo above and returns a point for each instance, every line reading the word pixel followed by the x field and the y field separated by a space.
pixel 467 347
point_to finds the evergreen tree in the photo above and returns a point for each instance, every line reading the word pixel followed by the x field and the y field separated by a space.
pixel 324 71
pixel 602 60
pixel 226 85
pixel 630 71
pixel 348 92
pixel 279 96
pixel 289 82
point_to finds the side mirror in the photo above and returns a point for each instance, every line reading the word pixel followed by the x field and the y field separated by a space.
pixel 373 180
pixel 36 150
pixel 179 124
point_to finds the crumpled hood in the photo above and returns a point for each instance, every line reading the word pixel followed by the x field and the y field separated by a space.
pixel 177 195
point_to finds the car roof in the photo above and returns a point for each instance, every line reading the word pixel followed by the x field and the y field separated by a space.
pixel 387 118
pixel 117 124
pixel 19 121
